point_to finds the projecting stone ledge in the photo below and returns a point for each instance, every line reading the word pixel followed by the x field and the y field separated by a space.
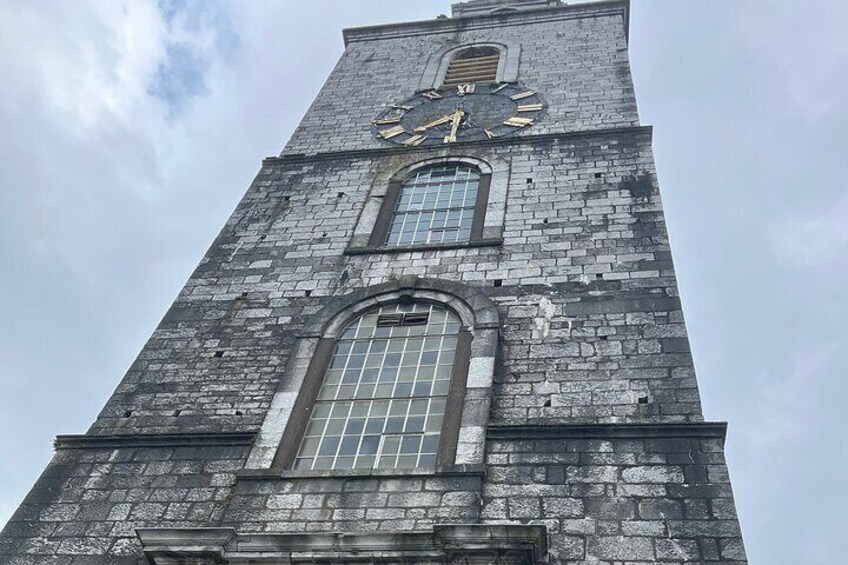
pixel 481 7
pixel 504 544
pixel 545 430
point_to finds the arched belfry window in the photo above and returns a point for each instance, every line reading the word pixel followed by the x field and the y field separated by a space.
pixel 481 62
pixel 384 393
pixel 472 65
pixel 438 204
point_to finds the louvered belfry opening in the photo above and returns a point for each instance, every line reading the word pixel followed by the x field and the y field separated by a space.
pixel 475 64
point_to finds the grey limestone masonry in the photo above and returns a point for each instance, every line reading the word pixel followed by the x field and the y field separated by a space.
pixel 595 431
pixel 577 57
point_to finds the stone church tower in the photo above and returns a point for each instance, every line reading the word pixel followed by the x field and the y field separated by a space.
pixel 442 326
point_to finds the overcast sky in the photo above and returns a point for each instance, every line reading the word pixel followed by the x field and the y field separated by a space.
pixel 130 129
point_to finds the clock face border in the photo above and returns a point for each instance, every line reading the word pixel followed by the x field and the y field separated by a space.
pixel 449 115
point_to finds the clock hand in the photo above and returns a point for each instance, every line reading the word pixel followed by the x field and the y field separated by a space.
pixel 434 123
pixel 456 119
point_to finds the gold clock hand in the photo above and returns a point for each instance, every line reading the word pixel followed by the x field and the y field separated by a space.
pixel 434 123
pixel 456 120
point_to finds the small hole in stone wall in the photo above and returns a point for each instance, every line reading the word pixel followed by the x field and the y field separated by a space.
pixel 643 400
pixel 262 237
pixel 219 354
pixel 242 296
pixel 286 198
pixel 497 282
pixel 545 221
pixel 128 413
pixel 324 234
pixel 308 293
pixel 599 276
pixel 604 338
pixel 547 403
pixel 599 175
pixel 239 413
pixel 340 194
pixel 177 412
pixel 529 181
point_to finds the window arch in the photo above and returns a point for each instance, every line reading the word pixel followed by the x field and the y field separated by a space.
pixel 462 436
pixel 506 70
pixel 385 390
pixel 370 235
pixel 472 65
pixel 443 203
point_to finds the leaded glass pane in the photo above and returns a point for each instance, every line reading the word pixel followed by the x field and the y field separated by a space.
pixel 384 394
pixel 435 205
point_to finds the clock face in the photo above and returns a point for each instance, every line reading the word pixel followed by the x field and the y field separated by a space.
pixel 467 112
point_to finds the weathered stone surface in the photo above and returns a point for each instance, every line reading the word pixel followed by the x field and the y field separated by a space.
pixel 659 474
pixel 591 331
pixel 621 548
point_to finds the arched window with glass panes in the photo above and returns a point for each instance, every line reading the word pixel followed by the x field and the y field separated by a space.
pixel 441 204
pixel 390 392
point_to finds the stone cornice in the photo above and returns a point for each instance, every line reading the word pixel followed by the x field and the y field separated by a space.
pixel 477 7
pixel 700 430
pixel 289 158
pixel 222 439
pixel 454 25
pixel 511 544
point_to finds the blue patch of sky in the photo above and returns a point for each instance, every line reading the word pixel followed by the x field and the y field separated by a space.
pixel 198 15
pixel 181 75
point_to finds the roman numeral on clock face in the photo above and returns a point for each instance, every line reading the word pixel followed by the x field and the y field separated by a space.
pixel 392 132
pixel 415 140
pixel 431 95
pixel 523 95
pixel 530 108
pixel 517 122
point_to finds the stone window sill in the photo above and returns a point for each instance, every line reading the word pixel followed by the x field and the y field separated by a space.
pixel 266 474
pixel 471 543
pixel 427 247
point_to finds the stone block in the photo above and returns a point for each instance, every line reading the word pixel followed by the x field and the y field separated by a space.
pixel 620 548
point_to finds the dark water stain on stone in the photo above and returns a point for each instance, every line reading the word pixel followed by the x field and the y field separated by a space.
pixel 639 186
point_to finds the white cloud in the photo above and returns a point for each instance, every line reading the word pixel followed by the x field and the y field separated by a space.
pixel 94 67
pixel 102 211
pixel 817 240
pixel 106 90
pixel 786 408
pixel 808 72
